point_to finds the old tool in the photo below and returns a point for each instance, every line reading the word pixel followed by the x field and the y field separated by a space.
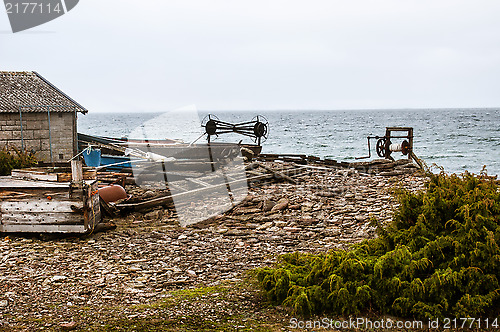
pixel 257 129
pixel 385 146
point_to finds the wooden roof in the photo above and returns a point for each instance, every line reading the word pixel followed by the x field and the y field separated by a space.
pixel 28 88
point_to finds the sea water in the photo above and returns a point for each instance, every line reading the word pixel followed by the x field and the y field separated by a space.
pixel 456 139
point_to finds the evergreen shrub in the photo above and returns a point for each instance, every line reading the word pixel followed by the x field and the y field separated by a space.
pixel 11 158
pixel 439 257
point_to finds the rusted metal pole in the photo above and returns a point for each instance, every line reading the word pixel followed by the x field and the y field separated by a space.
pixel 21 119
pixel 50 134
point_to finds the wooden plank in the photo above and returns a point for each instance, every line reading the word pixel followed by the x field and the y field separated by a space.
pixel 4 194
pixel 66 177
pixel 7 182
pixel 47 174
pixel 40 206
pixel 92 213
pixel 114 174
pixel 278 174
pixel 76 171
pixel 43 228
pixel 34 218
pixel 417 160
pixel 34 175
pixel 107 209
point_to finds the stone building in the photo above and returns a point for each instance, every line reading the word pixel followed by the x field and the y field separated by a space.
pixel 37 116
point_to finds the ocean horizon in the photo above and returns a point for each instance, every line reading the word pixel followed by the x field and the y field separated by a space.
pixel 457 139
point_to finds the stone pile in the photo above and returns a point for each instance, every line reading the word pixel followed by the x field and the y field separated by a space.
pixel 386 167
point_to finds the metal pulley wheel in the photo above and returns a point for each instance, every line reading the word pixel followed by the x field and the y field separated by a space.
pixel 405 147
pixel 261 127
pixel 210 124
pixel 211 127
pixel 381 152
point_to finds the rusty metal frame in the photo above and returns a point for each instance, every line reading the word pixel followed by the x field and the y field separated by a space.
pixel 387 141
pixel 409 136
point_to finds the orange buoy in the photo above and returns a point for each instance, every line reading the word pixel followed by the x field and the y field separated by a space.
pixel 112 193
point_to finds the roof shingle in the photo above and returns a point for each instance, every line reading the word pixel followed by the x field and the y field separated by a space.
pixel 28 88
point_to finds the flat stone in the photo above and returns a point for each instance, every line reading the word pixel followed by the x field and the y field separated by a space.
pixel 360 218
pixel 267 205
pixel 280 223
pixel 68 326
pixel 265 225
pixel 58 278
pixel 281 205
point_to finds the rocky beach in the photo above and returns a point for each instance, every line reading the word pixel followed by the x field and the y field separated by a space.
pixel 249 166
pixel 149 270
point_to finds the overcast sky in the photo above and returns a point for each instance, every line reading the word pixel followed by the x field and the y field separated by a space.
pixel 123 55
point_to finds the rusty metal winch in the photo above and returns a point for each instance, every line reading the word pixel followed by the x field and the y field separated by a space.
pixel 385 145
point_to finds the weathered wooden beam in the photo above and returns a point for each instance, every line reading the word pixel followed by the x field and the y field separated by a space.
pixel 56 218
pixel 9 183
pixel 278 174
pixel 33 175
pixel 47 175
pixel 39 206
pixel 43 228
pixel 76 171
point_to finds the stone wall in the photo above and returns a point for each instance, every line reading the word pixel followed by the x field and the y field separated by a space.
pixel 36 134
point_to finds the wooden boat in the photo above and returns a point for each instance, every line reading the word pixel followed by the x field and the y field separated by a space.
pixel 113 149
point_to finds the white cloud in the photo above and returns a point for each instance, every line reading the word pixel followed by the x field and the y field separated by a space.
pixel 157 55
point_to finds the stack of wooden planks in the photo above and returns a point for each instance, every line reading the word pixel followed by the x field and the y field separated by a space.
pixel 37 200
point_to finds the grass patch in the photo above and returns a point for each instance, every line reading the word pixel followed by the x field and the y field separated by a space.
pixel 195 293
pixel 226 307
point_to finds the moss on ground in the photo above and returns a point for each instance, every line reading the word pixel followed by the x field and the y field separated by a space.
pixel 231 306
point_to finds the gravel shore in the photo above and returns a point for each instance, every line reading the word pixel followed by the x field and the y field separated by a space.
pixel 151 270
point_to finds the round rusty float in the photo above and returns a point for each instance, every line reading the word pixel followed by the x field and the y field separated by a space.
pixel 405 147
pixel 112 193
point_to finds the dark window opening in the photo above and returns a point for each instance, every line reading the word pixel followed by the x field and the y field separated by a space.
pixel 61 156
